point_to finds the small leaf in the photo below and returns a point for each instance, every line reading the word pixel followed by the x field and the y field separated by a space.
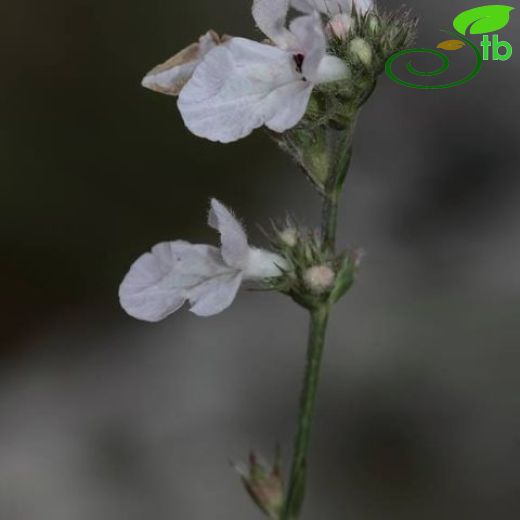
pixel 483 20
pixel 451 45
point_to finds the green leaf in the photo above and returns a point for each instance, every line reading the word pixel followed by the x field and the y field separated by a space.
pixel 483 20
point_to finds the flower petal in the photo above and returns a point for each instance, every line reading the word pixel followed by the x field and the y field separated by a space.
pixel 264 264
pixel 215 295
pixel 171 76
pixel 330 7
pixel 235 249
pixel 292 100
pixel 363 6
pixel 234 90
pixel 158 282
pixel 271 17
pixel 304 6
pixel 332 69
pixel 312 41
pixel 317 66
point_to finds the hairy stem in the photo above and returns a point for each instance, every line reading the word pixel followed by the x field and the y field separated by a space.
pixel 329 220
pixel 341 149
pixel 296 490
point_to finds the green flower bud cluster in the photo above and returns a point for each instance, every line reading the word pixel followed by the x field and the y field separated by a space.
pixel 371 40
pixel 323 136
pixel 314 275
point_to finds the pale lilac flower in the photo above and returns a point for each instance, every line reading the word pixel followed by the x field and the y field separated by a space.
pixel 171 76
pixel 243 85
pixel 161 281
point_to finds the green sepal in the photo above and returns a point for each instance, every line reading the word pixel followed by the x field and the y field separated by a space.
pixel 344 277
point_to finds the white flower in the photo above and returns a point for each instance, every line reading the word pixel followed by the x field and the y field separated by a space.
pixel 243 84
pixel 161 281
pixel 171 76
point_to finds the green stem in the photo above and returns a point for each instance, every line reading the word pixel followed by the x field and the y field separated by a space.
pixel 296 491
pixel 340 148
pixel 329 220
pixel 334 188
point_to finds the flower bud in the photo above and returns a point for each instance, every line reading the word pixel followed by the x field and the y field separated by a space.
pixel 361 50
pixel 319 278
pixel 264 484
pixel 339 26
pixel 373 23
pixel 289 236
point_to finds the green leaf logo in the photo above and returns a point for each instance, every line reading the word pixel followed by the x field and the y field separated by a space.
pixel 483 20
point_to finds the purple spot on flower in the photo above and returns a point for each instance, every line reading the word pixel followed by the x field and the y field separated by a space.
pixel 298 59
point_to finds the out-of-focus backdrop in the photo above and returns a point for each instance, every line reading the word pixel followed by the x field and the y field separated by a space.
pixel 105 417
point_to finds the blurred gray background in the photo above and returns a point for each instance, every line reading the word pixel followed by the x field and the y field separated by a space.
pixel 105 417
